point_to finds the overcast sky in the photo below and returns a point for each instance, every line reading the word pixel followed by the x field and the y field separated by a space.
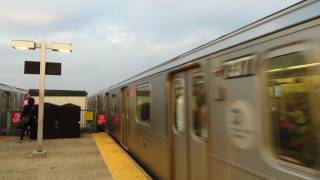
pixel 113 40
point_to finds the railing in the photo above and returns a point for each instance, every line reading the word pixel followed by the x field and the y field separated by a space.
pixel 9 124
pixel 93 120
pixel 90 121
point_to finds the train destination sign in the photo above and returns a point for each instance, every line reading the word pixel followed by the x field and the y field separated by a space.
pixel 244 66
pixel 33 67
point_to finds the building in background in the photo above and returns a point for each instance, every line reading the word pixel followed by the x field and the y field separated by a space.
pixel 61 97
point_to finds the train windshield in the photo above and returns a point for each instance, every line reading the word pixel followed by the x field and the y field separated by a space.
pixel 293 83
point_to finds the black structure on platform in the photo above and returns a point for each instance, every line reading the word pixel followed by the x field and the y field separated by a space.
pixel 50 124
pixel 60 121
pixel 69 121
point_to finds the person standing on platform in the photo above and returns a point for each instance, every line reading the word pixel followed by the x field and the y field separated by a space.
pixel 25 103
pixel 28 117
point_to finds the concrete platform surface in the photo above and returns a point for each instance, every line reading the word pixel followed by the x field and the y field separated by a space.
pixel 68 159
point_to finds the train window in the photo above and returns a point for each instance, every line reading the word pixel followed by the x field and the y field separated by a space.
pixel 199 111
pixel 179 97
pixel 293 82
pixel 143 103
pixel 114 103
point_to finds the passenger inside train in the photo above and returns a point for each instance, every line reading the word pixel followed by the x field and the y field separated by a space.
pixel 293 95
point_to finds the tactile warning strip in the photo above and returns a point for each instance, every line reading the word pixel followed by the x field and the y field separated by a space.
pixel 119 163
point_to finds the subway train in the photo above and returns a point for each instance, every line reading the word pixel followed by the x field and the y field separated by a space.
pixel 11 99
pixel 243 106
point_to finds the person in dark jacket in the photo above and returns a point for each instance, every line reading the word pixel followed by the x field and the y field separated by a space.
pixel 28 117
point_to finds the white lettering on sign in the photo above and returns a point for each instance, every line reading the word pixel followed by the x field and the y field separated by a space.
pixel 240 124
pixel 15 117
pixel 244 66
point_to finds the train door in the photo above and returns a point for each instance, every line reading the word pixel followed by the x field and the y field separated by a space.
pixel 124 116
pixel 108 110
pixel 189 125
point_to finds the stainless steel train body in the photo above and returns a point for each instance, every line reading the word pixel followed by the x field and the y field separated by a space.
pixel 244 106
pixel 11 99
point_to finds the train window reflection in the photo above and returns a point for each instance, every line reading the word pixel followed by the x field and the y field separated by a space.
pixel 199 111
pixel 294 99
pixel 143 103
pixel 179 97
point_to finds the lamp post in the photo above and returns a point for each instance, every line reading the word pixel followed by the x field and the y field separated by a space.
pixel 43 46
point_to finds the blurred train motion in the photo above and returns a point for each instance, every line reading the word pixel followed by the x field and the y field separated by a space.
pixel 11 99
pixel 244 106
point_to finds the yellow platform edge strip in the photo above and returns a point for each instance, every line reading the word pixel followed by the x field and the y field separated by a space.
pixel 2 139
pixel 120 165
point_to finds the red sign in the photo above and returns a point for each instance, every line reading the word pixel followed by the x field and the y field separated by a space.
pixel 101 119
pixel 16 117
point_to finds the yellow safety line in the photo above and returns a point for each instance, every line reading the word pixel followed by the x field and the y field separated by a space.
pixel 119 164
pixel 3 139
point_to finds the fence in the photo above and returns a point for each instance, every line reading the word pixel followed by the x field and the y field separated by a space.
pixel 90 121
pixel 10 122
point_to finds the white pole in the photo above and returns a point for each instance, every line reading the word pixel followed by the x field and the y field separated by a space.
pixel 41 94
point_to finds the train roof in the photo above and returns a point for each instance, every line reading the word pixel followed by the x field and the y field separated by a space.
pixel 295 14
pixel 22 90
pixel 6 87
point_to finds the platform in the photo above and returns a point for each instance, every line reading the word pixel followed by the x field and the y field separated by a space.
pixel 93 156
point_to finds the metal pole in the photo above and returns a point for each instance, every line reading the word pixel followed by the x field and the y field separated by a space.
pixel 41 94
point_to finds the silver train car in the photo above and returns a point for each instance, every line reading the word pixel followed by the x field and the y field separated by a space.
pixel 11 99
pixel 97 102
pixel 244 106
